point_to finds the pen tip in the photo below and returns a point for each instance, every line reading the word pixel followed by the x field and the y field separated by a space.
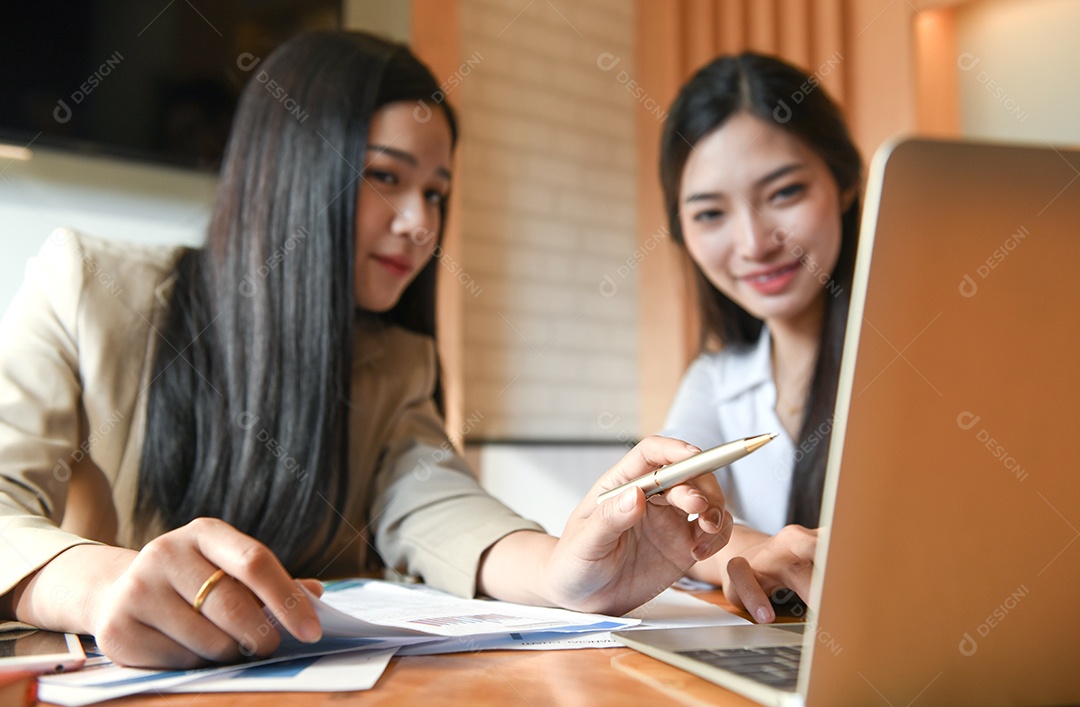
pixel 755 443
pixel 774 435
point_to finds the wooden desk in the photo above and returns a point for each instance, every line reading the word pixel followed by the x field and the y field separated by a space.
pixel 587 677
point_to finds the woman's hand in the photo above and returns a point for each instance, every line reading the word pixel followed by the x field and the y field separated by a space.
pixel 784 560
pixel 617 555
pixel 139 605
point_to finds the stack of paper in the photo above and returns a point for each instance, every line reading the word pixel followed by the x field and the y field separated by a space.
pixel 365 623
pixel 459 624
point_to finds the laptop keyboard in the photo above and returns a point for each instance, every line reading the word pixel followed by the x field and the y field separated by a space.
pixel 775 666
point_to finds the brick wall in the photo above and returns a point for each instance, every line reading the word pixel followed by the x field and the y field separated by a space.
pixel 547 178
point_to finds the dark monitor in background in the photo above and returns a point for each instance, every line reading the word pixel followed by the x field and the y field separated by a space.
pixel 153 81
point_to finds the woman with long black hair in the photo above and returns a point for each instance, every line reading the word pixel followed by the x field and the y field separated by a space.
pixel 761 183
pixel 183 431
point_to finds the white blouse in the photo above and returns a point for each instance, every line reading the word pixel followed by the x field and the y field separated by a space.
pixel 729 395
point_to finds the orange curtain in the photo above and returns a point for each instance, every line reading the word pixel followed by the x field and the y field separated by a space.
pixel 808 34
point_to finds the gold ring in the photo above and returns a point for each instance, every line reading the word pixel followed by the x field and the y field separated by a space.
pixel 205 589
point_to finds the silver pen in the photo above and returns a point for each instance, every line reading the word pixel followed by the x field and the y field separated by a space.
pixel 702 463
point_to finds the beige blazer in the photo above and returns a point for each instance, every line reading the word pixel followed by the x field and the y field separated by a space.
pixel 74 363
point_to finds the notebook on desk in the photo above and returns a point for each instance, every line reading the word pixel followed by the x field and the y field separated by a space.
pixel 949 570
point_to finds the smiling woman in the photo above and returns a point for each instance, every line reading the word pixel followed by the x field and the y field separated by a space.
pixel 183 431
pixel 765 202
pixel 760 217
pixel 405 184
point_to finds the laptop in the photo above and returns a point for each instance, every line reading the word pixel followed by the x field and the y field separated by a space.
pixel 948 571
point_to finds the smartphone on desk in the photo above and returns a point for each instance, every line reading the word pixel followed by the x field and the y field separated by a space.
pixel 40 651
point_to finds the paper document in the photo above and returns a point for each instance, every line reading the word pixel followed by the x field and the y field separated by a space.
pixel 368 619
pixel 674 608
pixel 418 608
pixel 105 680
pixel 342 672
pixel 671 609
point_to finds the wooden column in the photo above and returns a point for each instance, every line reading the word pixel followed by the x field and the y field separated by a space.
pixel 436 39
pixel 938 109
pixel 667 322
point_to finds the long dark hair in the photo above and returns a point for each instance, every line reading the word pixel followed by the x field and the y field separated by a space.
pixel 768 89
pixel 248 407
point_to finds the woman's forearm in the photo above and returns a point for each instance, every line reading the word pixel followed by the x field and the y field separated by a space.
pixel 513 568
pixel 62 594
